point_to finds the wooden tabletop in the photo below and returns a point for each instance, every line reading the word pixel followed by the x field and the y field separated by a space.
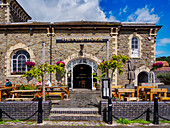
pixel 25 91
pixel 156 89
pixel 125 90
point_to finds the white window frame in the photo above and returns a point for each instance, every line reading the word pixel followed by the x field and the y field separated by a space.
pixel 135 47
pixel 139 45
pixel 17 63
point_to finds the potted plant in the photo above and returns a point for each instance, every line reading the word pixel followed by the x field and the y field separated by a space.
pixel 60 63
pixel 98 86
pixel 114 96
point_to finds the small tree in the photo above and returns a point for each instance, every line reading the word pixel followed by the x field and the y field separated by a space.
pixel 116 62
pixel 40 72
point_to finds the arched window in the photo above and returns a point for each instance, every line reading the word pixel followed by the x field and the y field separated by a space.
pixel 135 47
pixel 18 61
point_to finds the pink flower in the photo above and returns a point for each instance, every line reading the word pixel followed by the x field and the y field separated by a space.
pixel 28 63
pixel 60 63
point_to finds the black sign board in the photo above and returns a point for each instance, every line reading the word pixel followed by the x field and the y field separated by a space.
pixel 81 39
pixel 105 88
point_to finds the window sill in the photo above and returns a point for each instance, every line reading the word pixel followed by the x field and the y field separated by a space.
pixel 19 75
pixel 135 57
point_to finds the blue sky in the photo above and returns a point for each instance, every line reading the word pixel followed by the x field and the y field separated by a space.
pixel 157 11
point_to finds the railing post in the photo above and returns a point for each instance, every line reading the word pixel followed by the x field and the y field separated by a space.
pixel 155 117
pixel 109 110
pixel 40 111
pixel 0 114
pixel 148 114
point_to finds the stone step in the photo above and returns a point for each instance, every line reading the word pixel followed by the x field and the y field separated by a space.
pixel 74 110
pixel 75 117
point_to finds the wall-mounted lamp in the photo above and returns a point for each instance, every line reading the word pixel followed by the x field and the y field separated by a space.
pixel 81 49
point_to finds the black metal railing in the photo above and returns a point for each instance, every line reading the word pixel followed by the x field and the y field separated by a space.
pixel 39 111
pixel 148 111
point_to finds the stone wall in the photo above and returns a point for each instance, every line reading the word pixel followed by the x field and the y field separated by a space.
pixel 146 58
pixel 60 51
pixel 131 110
pixel 2 14
pixel 17 109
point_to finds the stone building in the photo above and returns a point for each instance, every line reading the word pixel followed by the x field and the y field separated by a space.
pixel 81 45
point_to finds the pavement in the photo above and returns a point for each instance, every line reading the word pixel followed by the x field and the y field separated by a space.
pixel 80 99
pixel 77 124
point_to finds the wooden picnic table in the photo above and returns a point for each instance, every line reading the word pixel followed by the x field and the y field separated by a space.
pixel 18 93
pixel 6 90
pixel 140 87
pixel 124 90
pixel 152 91
pixel 64 88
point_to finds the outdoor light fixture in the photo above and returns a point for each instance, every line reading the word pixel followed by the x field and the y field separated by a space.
pixel 81 49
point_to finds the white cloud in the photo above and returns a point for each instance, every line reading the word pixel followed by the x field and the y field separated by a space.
pixel 125 9
pixel 65 10
pixel 143 15
pixel 160 52
pixel 164 42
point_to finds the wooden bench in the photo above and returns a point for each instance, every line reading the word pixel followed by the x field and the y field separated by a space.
pixel 164 98
pixel 61 94
pixel 19 99
pixel 131 98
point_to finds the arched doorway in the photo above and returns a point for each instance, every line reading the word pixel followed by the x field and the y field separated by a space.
pixel 82 76
pixel 76 69
pixel 142 77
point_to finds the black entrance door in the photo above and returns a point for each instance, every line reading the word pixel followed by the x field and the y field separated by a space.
pixel 82 76
pixel 142 77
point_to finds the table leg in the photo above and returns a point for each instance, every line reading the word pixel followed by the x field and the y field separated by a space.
pixel 137 92
pixel 165 94
pixel 133 94
pixel 145 96
pixel 0 95
pixel 159 94
pixel 119 96
pixel 151 96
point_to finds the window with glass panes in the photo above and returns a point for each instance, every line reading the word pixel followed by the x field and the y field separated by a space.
pixel 135 47
pixel 18 61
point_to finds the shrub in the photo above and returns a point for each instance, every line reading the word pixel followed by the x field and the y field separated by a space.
pixel 164 77
pixel 27 87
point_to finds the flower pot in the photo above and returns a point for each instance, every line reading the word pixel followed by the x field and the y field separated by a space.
pixel 97 87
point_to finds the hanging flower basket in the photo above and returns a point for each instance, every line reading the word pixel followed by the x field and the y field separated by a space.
pixel 61 63
pixel 157 65
pixel 30 64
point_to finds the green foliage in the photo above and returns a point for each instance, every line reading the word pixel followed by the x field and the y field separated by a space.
pixel 126 121
pixel 116 62
pixel 2 122
pixel 100 124
pixel 123 121
pixel 16 121
pixel 163 58
pixel 30 123
pixel 42 69
pixel 164 77
pixel 164 121
pixel 27 87
pixel 141 121
pixel 99 76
